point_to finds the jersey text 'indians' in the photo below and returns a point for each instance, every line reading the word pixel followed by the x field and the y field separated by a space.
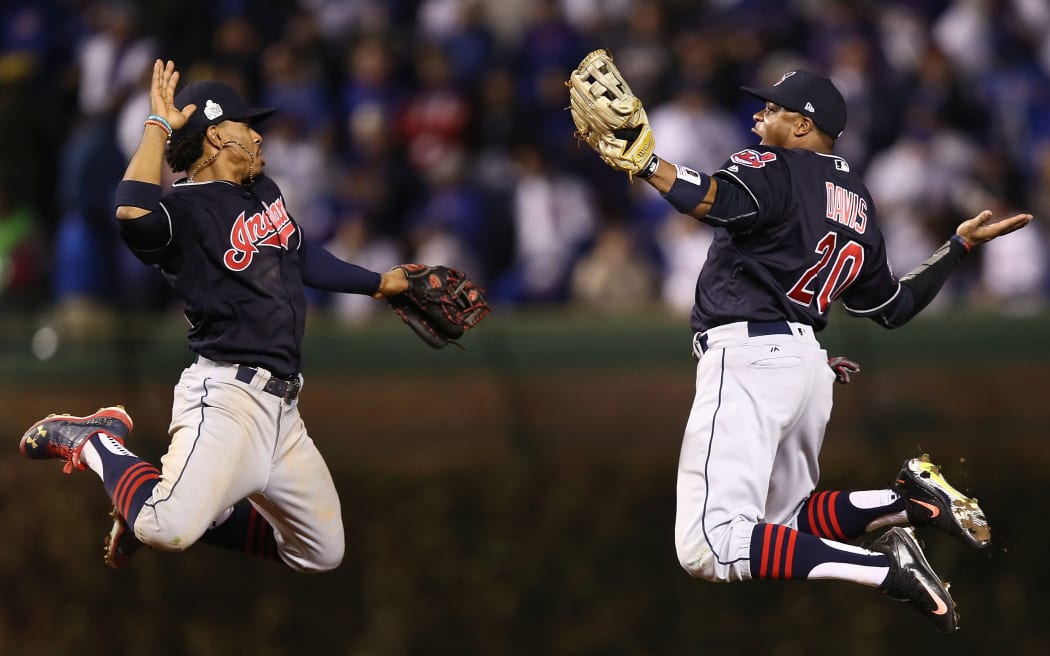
pixel 270 229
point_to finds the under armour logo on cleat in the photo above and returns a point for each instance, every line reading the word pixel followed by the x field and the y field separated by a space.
pixel 40 432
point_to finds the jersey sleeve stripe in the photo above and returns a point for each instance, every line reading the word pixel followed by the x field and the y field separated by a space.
pixel 732 219
pixel 171 233
pixel 861 313
pixel 171 230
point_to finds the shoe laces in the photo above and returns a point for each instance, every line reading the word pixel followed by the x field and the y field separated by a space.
pixel 71 456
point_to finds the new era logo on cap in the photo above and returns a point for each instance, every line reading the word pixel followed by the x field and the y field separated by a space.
pixel 809 94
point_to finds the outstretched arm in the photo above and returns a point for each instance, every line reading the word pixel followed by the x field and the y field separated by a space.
pixel 323 270
pixel 920 285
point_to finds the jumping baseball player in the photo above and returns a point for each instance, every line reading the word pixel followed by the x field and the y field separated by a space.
pixel 241 472
pixel 795 230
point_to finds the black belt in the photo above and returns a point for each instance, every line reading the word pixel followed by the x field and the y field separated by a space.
pixel 285 389
pixel 758 329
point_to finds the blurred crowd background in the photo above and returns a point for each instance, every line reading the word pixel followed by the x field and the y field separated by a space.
pixel 436 131
pixel 517 498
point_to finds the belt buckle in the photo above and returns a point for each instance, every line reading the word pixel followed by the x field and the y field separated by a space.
pixel 292 390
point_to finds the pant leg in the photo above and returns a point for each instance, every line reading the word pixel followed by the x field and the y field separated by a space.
pixel 746 395
pixel 222 436
pixel 796 468
pixel 301 502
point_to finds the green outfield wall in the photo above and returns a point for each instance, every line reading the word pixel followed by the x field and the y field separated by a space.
pixel 517 497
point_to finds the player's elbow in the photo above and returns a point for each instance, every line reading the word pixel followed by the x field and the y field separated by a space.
pixel 128 212
pixel 890 323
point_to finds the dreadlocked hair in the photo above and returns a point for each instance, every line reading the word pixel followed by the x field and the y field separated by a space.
pixel 183 150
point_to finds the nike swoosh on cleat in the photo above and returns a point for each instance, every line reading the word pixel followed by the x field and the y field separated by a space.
pixel 934 510
pixel 942 607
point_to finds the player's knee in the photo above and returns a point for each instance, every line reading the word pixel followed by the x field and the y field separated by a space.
pixel 167 540
pixel 717 554
pixel 314 561
pixel 328 560
pixel 697 559
pixel 165 533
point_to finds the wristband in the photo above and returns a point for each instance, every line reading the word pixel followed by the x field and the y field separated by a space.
pixel 650 168
pixel 160 119
pixel 161 123
pixel 689 189
pixel 960 241
pixel 134 193
pixel 167 134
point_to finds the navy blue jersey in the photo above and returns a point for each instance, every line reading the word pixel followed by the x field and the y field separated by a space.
pixel 814 239
pixel 233 254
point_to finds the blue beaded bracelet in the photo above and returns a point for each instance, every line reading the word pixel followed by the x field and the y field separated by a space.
pixel 160 119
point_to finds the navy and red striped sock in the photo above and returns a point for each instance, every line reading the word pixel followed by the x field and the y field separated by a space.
pixel 245 530
pixel 129 480
pixel 779 552
pixel 835 516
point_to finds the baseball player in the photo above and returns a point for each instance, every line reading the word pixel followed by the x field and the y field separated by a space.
pixel 795 230
pixel 241 472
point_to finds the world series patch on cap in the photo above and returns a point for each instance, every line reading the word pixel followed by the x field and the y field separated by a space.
pixel 216 102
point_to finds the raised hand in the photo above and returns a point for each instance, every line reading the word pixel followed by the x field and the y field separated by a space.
pixel 162 95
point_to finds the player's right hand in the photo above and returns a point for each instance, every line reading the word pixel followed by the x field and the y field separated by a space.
pixel 162 95
pixel 978 230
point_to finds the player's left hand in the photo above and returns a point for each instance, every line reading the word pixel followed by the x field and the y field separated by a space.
pixel 843 367
pixel 439 304
pixel 981 228
pixel 607 114
pixel 392 283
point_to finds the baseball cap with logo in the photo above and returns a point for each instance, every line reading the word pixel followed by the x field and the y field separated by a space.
pixel 216 102
pixel 808 94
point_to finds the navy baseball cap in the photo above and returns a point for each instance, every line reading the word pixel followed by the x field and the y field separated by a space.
pixel 808 94
pixel 216 102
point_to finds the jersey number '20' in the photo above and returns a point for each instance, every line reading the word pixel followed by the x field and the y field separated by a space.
pixel 845 262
